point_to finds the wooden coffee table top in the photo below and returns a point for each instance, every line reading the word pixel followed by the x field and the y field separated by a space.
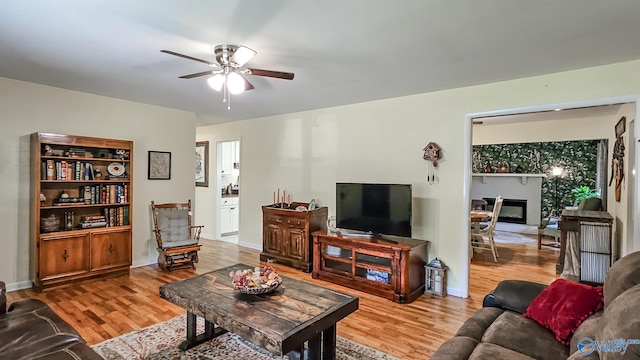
pixel 279 322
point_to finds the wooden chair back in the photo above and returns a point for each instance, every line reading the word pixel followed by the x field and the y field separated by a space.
pixel 497 206
pixel 171 222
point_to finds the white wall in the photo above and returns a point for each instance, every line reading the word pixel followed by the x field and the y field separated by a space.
pixel 620 209
pixel 26 108
pixel 583 128
pixel 381 141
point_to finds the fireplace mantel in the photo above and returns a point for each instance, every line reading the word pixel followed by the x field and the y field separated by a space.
pixel 523 177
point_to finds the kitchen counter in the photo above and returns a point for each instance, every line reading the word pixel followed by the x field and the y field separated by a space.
pixel 230 195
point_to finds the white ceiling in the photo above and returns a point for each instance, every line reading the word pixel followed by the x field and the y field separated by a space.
pixel 341 51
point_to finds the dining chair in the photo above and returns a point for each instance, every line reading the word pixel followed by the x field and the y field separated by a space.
pixel 478 238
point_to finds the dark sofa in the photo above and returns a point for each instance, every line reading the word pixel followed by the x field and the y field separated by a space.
pixel 500 331
pixel 29 329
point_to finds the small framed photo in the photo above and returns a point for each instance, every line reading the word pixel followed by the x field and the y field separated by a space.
pixel 202 163
pixel 621 126
pixel 159 165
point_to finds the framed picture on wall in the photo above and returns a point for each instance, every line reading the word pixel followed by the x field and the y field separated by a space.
pixel 202 163
pixel 159 165
pixel 621 126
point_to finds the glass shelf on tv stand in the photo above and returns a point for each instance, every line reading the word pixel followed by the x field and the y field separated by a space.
pixel 367 266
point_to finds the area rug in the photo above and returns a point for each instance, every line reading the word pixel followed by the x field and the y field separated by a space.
pixel 160 341
pixel 506 237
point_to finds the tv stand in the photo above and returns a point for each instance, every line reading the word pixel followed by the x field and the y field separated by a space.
pixel 389 266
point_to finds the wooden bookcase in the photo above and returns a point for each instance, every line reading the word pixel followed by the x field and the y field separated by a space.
pixel 391 267
pixel 81 207
pixel 286 234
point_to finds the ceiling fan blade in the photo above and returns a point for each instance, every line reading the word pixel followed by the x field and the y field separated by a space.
pixel 270 73
pixel 191 76
pixel 212 64
pixel 247 85
pixel 242 55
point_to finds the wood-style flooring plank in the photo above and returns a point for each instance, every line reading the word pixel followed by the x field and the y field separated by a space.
pixel 104 308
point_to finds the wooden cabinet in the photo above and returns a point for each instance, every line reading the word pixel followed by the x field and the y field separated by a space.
pixel 81 196
pixel 229 156
pixel 229 215
pixel 286 235
pixel 391 267
pixel 587 236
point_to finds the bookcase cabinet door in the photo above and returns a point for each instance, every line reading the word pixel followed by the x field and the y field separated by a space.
pixel 110 249
pixel 64 256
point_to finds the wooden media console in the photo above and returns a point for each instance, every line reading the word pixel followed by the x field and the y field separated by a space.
pixel 391 267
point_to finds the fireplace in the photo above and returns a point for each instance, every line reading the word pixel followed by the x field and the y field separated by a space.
pixel 512 211
pixel 525 188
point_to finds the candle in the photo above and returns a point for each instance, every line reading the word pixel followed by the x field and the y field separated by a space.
pixel 438 283
pixel 274 197
pixel 289 199
pixel 278 194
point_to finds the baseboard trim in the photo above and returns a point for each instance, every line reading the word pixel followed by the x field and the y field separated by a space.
pixel 455 292
pixel 250 245
pixel 144 262
pixel 206 236
pixel 19 285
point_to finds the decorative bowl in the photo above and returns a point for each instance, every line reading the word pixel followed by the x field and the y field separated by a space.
pixel 256 281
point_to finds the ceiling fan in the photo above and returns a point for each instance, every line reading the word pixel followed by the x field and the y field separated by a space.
pixel 228 72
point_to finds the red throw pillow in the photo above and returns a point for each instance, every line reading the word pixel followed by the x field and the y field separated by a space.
pixel 562 306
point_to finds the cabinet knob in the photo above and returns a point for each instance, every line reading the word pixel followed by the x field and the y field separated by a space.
pixel 110 248
pixel 65 255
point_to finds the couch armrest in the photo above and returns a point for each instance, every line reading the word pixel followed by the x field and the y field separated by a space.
pixel 514 295
pixel 3 298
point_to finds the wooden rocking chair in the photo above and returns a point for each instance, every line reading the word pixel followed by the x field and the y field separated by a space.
pixel 178 240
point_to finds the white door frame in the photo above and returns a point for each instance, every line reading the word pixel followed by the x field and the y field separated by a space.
pixel 633 179
pixel 218 186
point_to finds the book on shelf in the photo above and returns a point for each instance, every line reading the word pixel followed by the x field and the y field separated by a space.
pixel 51 170
pixel 89 218
pixel 93 224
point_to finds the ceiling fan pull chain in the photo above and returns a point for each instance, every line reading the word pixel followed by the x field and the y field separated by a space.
pixel 227 95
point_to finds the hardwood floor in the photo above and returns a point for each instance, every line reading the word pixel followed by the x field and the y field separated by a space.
pixel 105 308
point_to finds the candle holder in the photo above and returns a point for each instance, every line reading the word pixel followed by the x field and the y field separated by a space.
pixel 436 278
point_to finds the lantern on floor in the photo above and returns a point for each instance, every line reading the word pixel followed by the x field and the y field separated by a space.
pixel 436 278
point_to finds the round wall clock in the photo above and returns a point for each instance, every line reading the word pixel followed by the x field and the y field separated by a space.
pixel 115 169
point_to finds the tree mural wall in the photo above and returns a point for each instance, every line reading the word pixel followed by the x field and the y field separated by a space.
pixel 577 158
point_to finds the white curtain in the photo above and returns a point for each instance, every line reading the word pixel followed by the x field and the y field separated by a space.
pixel 602 171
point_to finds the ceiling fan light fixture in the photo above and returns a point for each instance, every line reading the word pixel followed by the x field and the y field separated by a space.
pixel 216 82
pixel 235 82
pixel 242 55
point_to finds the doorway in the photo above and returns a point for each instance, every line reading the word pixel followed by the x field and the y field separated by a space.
pixel 629 202
pixel 228 194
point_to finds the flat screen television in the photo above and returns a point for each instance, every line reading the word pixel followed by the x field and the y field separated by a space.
pixel 379 209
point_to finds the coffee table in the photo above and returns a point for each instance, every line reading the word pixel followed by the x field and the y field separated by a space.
pixel 281 322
